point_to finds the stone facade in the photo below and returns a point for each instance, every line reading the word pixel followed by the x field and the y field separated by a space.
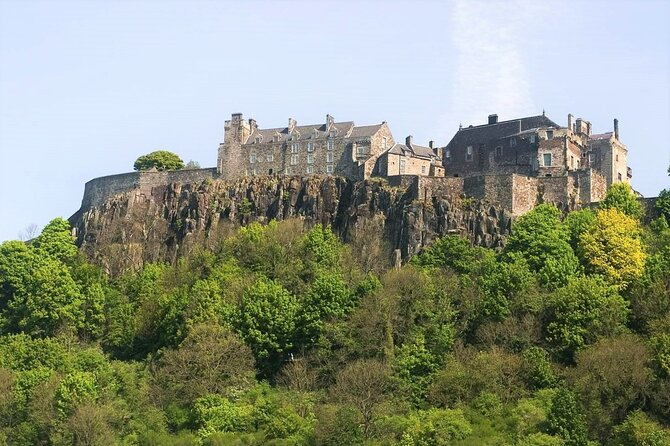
pixel 537 147
pixel 332 148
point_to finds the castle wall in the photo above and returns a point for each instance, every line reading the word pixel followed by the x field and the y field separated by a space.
pixel 525 194
pixel 99 190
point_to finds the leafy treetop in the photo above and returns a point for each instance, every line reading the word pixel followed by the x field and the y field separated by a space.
pixel 160 159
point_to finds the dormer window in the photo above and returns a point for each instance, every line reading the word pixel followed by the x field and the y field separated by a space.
pixel 384 143
pixel 252 158
pixel 259 139
pixel 550 134
pixel 359 150
pixel 275 138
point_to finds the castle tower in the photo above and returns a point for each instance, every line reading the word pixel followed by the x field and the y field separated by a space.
pixel 236 132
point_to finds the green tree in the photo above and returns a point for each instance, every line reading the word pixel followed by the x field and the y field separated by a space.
pixel 565 419
pixel 583 311
pixel 266 320
pixel 639 430
pixel 620 196
pixel 578 222
pixel 160 159
pixel 452 252
pixel 57 241
pixel 541 239
pixel 663 204
pixel 612 247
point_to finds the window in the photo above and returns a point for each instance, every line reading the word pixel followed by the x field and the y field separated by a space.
pixel 294 160
pixel 383 143
pixel 447 154
pixel 618 176
pixel 617 158
pixel 512 142
pixel 468 153
pixel 310 146
pixel 254 171
pixel 258 140
pixel 359 150
pixel 592 157
pixel 252 158
pixel 423 170
pixel 550 134
pixel 310 169
pixel 498 151
pixel 310 158
pixel 270 157
pixel 331 144
pixel 547 159
pixel 572 161
pixel 329 157
pixel 294 147
pixel 532 138
pixel 329 168
pixel 402 165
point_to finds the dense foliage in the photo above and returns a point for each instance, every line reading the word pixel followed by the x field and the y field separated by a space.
pixel 282 335
pixel 160 160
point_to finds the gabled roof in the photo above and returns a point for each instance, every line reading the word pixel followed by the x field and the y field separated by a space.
pixel 484 133
pixel 307 132
pixel 414 151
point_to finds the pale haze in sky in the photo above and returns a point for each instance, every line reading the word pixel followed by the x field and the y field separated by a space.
pixel 86 87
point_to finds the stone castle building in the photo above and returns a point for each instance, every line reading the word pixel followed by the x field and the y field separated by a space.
pixel 536 147
pixel 331 148
pixel 518 163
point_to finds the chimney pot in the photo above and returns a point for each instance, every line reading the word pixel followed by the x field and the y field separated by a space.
pixel 493 119
pixel 616 129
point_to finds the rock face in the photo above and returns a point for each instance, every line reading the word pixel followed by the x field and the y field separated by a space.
pixel 138 225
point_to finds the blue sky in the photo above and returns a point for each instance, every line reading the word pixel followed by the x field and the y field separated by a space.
pixel 86 87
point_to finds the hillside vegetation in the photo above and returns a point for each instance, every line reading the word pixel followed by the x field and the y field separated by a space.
pixel 282 335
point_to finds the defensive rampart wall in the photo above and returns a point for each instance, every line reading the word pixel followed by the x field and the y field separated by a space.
pixel 99 190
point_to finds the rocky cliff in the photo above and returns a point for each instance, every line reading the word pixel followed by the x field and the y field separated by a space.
pixel 160 222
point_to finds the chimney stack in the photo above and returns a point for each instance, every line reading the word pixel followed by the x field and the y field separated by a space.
pixel 616 129
pixel 408 141
pixel 430 144
pixel 329 122
pixel 571 125
pixel 291 124
pixel 493 119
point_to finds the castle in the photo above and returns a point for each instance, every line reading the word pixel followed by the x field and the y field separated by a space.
pixel 517 162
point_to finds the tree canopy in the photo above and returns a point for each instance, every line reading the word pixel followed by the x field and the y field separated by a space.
pixel 281 334
pixel 160 159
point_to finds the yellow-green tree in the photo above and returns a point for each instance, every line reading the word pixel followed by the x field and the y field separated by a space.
pixel 612 248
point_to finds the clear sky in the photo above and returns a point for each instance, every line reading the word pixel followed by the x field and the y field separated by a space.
pixel 86 87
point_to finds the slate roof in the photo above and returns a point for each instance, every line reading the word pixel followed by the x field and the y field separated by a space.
pixel 601 136
pixel 308 132
pixel 482 134
pixel 417 151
